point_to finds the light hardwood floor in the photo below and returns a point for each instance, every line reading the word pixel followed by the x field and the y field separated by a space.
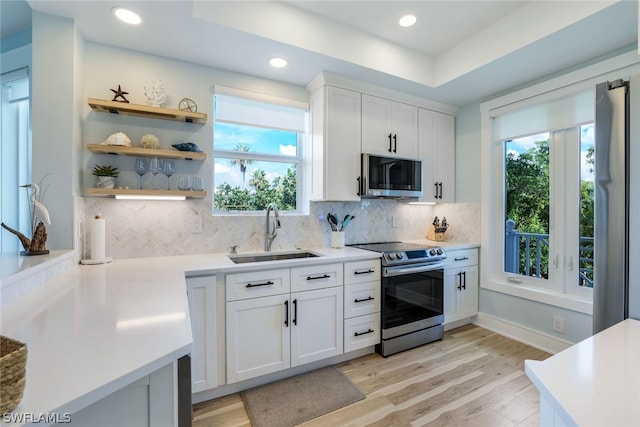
pixel 473 377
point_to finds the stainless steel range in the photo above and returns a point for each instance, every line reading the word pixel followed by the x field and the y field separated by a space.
pixel 412 294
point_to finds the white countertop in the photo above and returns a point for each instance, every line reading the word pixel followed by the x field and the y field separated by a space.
pixel 93 329
pixel 595 382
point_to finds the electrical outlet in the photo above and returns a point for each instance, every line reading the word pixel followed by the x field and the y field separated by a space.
pixel 558 324
pixel 196 224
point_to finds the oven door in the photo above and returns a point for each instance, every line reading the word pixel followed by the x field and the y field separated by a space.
pixel 412 298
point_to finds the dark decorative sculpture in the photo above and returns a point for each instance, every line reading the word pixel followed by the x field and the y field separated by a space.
pixel 120 94
pixel 37 244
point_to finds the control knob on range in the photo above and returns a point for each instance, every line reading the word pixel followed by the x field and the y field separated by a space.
pixel 391 256
pixel 399 255
pixel 432 252
pixel 439 251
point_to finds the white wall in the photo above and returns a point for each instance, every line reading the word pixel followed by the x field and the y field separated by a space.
pixel 55 122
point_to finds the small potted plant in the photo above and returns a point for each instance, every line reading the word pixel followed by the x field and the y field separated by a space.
pixel 106 176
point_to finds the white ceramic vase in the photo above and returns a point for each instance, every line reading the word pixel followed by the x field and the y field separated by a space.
pixel 105 182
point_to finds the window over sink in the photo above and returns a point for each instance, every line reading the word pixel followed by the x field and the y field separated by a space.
pixel 258 146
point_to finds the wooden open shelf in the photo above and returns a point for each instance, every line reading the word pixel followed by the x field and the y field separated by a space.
pixel 145 152
pixel 112 192
pixel 138 110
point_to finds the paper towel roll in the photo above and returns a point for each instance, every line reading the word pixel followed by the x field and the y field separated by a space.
pixel 97 237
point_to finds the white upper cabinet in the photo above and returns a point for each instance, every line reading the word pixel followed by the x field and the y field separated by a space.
pixel 335 144
pixel 436 149
pixel 389 128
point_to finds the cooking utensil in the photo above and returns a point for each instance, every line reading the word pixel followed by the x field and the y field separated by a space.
pixel 333 221
pixel 346 221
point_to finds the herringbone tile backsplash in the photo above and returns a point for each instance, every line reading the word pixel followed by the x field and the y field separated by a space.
pixel 159 228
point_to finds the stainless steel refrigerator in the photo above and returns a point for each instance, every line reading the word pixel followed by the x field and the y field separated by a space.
pixel 611 252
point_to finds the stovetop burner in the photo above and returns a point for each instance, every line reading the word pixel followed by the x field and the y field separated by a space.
pixel 395 253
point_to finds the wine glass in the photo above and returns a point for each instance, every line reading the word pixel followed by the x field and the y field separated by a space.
pixel 141 168
pixel 168 168
pixel 154 168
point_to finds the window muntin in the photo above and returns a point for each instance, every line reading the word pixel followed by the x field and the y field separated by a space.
pixel 257 155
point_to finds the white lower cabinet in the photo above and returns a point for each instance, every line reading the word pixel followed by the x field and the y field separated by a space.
pixel 267 334
pixel 362 295
pixel 361 331
pixel 316 325
pixel 460 285
pixel 258 338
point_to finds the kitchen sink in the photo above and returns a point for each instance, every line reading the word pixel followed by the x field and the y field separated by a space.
pixel 275 256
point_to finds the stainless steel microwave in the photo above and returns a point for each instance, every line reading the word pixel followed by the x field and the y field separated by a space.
pixel 391 177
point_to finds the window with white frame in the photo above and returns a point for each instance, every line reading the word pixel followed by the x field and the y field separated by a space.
pixel 258 147
pixel 542 191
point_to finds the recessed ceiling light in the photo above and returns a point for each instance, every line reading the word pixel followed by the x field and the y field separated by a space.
pixel 407 20
pixel 126 15
pixel 278 62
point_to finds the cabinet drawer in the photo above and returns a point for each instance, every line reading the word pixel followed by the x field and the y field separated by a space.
pixel 461 258
pixel 361 271
pixel 361 298
pixel 257 284
pixel 361 331
pixel 316 277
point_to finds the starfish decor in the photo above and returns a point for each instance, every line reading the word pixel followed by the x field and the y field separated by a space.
pixel 120 94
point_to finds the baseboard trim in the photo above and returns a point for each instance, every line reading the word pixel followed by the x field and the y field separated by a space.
pixel 525 335
pixel 458 323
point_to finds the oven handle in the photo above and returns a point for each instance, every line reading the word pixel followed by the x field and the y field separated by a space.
pixel 408 269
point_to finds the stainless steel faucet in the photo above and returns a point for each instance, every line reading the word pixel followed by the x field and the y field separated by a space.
pixel 269 234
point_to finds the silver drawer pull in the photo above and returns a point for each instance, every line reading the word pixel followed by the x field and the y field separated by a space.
pixel 363 300
pixel 461 259
pixel 357 334
pixel 253 285
pixel 364 272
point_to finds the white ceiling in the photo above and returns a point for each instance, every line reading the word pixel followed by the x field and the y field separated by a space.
pixel 460 51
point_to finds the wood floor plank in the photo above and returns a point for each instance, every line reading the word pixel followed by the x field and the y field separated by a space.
pixel 473 377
